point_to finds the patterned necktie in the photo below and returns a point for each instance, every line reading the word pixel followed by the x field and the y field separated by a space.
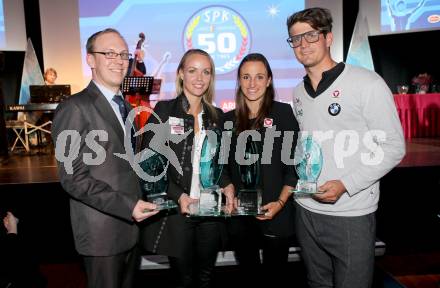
pixel 122 109
pixel 124 113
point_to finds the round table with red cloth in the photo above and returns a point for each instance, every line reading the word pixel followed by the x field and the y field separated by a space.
pixel 419 114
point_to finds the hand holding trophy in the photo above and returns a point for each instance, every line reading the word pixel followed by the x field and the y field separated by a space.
pixel 308 156
pixel 156 192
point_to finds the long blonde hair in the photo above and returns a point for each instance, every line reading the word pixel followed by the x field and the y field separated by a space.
pixel 208 96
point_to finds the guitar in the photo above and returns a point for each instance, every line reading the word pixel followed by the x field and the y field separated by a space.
pixel 165 59
pixel 137 56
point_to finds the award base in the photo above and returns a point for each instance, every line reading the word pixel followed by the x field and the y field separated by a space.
pixel 162 201
pixel 210 203
pixel 249 203
pixel 305 188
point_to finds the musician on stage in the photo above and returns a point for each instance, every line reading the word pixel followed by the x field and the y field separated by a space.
pixel 50 76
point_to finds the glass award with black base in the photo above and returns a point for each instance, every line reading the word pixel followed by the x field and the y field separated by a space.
pixel 309 160
pixel 156 191
pixel 249 196
pixel 210 201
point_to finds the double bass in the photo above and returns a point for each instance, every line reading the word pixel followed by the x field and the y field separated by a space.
pixel 138 99
pixel 133 69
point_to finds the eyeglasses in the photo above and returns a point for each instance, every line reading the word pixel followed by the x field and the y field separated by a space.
pixel 114 55
pixel 310 37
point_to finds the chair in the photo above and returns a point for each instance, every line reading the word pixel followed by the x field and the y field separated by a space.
pixel 21 133
pixel 31 128
pixel 23 128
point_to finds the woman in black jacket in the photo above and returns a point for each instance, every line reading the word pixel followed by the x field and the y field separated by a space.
pixel 257 110
pixel 192 244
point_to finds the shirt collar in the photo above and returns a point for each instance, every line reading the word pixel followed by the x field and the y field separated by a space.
pixel 108 94
pixel 328 77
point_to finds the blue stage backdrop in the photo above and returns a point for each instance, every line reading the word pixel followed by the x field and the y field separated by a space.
pixel 227 29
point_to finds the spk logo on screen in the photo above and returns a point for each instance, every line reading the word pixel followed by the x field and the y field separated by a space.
pixel 221 32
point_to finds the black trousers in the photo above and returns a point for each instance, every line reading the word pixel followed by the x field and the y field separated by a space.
pixel 202 240
pixel 112 271
pixel 246 239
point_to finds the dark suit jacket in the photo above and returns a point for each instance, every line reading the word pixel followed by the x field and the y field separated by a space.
pixel 162 233
pixel 102 196
pixel 274 175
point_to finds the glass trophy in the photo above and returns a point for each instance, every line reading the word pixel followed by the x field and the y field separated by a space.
pixel 210 201
pixel 309 160
pixel 156 192
pixel 249 196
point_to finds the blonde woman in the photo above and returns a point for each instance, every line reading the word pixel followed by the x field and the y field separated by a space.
pixel 191 244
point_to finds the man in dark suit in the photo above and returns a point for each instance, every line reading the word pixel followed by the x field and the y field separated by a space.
pixel 105 191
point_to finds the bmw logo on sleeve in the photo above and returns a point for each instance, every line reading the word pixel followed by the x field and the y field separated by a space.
pixel 334 109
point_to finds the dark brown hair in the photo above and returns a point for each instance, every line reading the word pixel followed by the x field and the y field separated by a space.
pixel 241 109
pixel 318 18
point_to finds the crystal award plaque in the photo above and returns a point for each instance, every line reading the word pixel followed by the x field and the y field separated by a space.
pixel 156 192
pixel 249 196
pixel 308 159
pixel 210 201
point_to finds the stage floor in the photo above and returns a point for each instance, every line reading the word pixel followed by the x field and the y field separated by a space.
pixel 28 169
pixel 31 168
pixel 422 152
